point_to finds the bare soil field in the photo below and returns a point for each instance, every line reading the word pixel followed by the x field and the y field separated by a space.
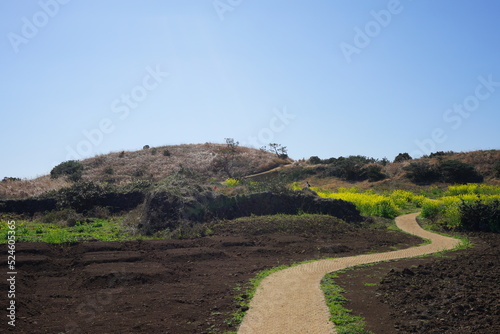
pixel 457 293
pixel 188 286
pixel 170 286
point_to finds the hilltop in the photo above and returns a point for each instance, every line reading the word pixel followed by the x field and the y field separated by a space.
pixel 152 164
pixel 206 163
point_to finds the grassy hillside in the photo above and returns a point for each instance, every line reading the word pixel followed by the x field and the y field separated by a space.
pixel 156 163
pixel 152 164
pixel 394 175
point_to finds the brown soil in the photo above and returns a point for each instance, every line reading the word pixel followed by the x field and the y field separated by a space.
pixel 453 294
pixel 167 286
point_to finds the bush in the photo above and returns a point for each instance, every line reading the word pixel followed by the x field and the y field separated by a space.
pixel 440 154
pixel 448 171
pixel 480 216
pixel 232 182
pixel 139 172
pixel 314 160
pixel 82 196
pixel 374 173
pixel 368 204
pixel 453 171
pixel 7 179
pixel 72 169
pixel 109 171
pixel 166 153
pixel 421 173
pixel 402 157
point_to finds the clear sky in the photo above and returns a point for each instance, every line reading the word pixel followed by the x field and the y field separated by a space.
pixel 322 77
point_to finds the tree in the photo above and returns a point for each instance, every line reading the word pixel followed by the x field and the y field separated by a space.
pixel 227 157
pixel 402 157
pixel 280 151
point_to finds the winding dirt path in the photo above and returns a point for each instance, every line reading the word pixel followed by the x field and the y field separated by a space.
pixel 291 300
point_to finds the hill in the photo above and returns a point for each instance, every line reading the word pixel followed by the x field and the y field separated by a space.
pixel 155 163
pixel 444 168
pixel 207 162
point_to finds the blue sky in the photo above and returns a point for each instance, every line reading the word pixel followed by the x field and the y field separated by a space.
pixel 323 77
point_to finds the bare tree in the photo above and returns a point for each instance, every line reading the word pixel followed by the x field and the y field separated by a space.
pixel 227 157
pixel 280 151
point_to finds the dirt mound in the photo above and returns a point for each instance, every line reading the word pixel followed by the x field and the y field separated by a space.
pixel 164 210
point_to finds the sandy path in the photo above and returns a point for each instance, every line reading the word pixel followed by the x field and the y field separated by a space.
pixel 291 300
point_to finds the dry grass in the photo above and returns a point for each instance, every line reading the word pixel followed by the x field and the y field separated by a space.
pixel 124 167
pixel 154 165
pixel 29 188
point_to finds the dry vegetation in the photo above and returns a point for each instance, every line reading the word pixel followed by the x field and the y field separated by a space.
pixel 152 164
pixel 158 162
pixel 29 188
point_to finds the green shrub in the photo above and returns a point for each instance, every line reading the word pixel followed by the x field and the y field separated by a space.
pixel 480 216
pixel 72 169
pixel 440 154
pixel 314 160
pixel 374 173
pixel 421 173
pixel 350 168
pixel 7 179
pixel 453 171
pixel 139 172
pixel 82 196
pixel 431 208
pixel 109 171
pixel 402 157
pixel 232 182
pixel 166 153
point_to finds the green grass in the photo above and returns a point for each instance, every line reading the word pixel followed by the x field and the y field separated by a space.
pixel 345 322
pixel 57 233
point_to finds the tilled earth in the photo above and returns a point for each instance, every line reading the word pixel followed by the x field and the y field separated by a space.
pixel 170 286
pixel 188 286
pixel 455 294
